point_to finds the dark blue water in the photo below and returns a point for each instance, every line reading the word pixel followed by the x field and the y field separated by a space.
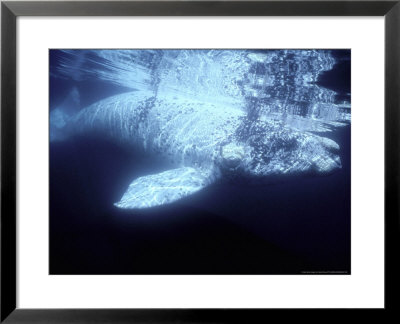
pixel 299 225
pixel 286 227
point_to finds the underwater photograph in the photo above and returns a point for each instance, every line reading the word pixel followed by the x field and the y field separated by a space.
pixel 200 161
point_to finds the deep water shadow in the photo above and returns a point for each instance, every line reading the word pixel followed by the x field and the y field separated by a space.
pixel 282 228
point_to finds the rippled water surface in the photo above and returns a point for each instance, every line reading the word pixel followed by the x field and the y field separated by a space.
pixel 256 141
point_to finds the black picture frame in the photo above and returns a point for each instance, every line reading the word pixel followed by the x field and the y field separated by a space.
pixel 10 10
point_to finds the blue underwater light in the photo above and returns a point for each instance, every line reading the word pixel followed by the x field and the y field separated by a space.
pixel 210 113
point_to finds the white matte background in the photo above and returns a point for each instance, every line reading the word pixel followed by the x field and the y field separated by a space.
pixel 363 288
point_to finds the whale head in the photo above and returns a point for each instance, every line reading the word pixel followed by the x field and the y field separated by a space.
pixel 268 149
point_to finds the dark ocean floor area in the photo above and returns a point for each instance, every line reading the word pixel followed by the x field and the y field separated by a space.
pixel 290 227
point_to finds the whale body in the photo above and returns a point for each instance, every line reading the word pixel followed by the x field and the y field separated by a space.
pixel 201 141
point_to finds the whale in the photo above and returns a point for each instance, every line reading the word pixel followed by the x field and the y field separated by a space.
pixel 201 142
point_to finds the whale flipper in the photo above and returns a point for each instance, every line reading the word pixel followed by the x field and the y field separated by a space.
pixel 162 188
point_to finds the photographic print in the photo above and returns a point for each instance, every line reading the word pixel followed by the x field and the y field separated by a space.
pixel 200 161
